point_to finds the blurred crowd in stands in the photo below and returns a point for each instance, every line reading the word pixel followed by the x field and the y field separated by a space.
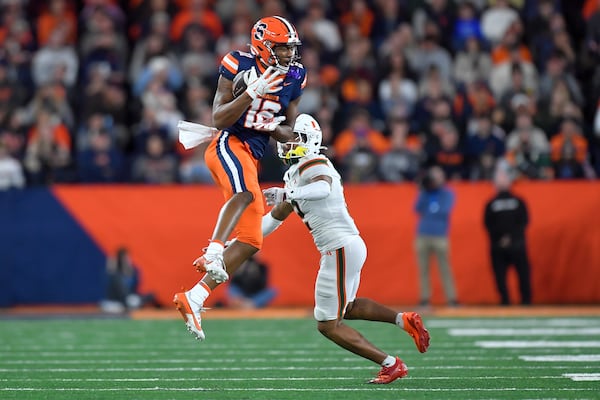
pixel 91 90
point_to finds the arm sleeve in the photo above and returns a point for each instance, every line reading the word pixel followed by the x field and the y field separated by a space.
pixel 269 224
pixel 313 191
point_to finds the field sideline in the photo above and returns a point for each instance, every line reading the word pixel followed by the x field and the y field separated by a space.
pixel 488 353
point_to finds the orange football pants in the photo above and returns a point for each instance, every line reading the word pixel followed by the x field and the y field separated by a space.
pixel 235 170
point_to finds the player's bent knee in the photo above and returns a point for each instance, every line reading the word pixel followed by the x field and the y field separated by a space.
pixel 327 328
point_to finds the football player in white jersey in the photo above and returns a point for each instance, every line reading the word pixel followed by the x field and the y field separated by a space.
pixel 313 189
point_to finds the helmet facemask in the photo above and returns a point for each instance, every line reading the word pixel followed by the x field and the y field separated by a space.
pixel 308 142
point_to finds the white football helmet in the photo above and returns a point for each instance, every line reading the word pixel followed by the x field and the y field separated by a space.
pixel 309 140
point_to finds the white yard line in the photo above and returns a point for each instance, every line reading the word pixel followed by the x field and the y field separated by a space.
pixel 583 377
pixel 524 331
pixel 524 344
pixel 514 323
pixel 563 358
pixel 232 379
pixel 369 389
pixel 281 368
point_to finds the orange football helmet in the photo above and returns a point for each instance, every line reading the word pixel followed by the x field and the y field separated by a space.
pixel 269 32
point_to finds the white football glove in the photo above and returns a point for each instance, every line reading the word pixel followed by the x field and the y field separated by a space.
pixel 268 82
pixel 274 195
pixel 265 121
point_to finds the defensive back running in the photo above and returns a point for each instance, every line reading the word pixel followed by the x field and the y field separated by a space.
pixel 313 189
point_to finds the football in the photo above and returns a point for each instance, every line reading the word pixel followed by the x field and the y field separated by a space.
pixel 239 84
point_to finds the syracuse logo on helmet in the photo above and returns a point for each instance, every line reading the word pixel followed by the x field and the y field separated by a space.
pixel 270 32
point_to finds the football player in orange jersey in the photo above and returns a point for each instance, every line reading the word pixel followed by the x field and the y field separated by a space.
pixel 275 81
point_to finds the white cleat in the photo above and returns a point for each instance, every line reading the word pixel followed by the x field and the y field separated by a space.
pixel 190 311
pixel 215 268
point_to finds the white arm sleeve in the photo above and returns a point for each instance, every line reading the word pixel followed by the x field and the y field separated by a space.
pixel 313 191
pixel 269 224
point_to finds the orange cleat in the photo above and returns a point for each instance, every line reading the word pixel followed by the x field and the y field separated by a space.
pixel 390 374
pixel 190 311
pixel 413 324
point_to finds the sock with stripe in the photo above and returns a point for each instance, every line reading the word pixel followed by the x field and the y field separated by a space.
pixel 200 292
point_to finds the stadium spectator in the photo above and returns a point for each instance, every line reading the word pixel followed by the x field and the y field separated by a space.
pixel 358 146
pixel 402 161
pixel 249 286
pixel 438 13
pixel 103 41
pixel 569 152
pixel 466 27
pixel 472 63
pixel 484 146
pixel 360 15
pixel 155 165
pixel 101 161
pixel 122 285
pixel 153 46
pixel 199 12
pixel 444 149
pixel 11 170
pixel 398 93
pixel 55 62
pixel 496 20
pixel 434 205
pixel 528 150
pixel 320 33
pixel 150 17
pixel 429 53
pixel 196 55
pixel 505 218
pixel 76 57
pixel 48 153
pixel 389 14
pixel 58 17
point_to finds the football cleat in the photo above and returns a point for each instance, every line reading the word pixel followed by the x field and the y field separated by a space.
pixel 214 266
pixel 413 325
pixel 190 311
pixel 390 374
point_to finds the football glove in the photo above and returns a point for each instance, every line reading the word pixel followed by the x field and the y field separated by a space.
pixel 266 83
pixel 274 195
pixel 265 121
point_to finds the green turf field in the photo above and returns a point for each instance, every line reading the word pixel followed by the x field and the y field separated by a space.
pixel 487 358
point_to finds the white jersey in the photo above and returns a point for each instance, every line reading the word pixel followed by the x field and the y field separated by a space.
pixel 327 219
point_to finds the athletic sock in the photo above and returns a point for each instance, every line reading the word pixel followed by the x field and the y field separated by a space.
pixel 200 292
pixel 389 361
pixel 400 320
pixel 215 248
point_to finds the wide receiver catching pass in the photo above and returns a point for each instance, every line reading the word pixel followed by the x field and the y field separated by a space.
pixel 313 189
pixel 274 82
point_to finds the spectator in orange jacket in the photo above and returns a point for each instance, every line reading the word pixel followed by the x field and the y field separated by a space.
pixel 569 151
pixel 358 147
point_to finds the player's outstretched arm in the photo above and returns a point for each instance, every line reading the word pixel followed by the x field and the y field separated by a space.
pixel 272 220
pixel 226 108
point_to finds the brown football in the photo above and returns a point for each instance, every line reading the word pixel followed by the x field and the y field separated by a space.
pixel 239 84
